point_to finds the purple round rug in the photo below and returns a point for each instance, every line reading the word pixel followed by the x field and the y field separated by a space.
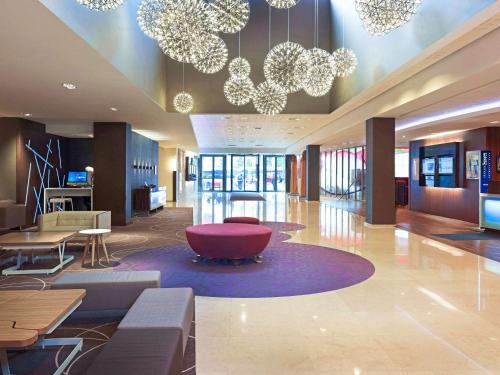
pixel 289 269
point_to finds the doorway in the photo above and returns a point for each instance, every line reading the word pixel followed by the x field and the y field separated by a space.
pixel 212 172
pixel 274 173
pixel 244 172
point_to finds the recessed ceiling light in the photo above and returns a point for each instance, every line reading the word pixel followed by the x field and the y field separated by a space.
pixel 113 109
pixel 259 145
pixel 495 122
pixel 226 117
pixel 289 133
pixel 258 128
pixel 27 114
pixel 69 86
pixel 404 136
pixel 90 135
pixel 294 119
pixel 244 118
pixel 231 145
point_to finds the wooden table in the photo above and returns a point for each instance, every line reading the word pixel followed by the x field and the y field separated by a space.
pixel 26 316
pixel 23 241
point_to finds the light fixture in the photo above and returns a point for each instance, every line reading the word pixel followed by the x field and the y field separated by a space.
pixel 286 65
pixel 321 73
pixel 27 114
pixel 101 5
pixel 150 11
pixel 186 29
pixel 495 122
pixel 232 15
pixel 269 98
pixel 283 4
pixel 345 61
pixel 239 90
pixel 183 101
pixel 113 109
pixel 69 86
pixel 380 17
pixel 213 59
pixel 239 67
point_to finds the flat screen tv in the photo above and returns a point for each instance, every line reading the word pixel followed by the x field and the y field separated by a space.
pixel 428 166
pixel 76 178
pixel 446 165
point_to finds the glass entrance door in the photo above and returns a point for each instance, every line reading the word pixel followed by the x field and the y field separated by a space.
pixel 212 172
pixel 244 172
pixel 274 172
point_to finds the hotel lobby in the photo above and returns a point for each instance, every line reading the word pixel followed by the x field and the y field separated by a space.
pixel 250 187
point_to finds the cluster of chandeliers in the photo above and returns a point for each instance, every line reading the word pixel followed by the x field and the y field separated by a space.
pixel 188 32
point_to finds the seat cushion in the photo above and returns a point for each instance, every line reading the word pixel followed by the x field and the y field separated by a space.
pixel 242 220
pixel 109 290
pixel 143 351
pixel 162 308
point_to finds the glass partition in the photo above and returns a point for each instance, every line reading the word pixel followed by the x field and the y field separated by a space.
pixel 274 171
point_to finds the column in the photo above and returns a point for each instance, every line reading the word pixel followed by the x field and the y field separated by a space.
pixel 380 194
pixel 112 170
pixel 312 172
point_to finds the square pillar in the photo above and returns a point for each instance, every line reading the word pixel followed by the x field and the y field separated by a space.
pixel 312 172
pixel 380 191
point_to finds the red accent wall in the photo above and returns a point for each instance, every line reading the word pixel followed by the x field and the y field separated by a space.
pixel 458 203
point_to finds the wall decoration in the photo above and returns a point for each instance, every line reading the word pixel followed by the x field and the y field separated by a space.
pixel 472 165
pixel 498 163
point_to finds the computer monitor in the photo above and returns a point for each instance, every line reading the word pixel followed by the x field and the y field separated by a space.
pixel 78 178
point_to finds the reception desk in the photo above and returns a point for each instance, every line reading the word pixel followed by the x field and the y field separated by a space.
pixel 147 199
pixel 489 211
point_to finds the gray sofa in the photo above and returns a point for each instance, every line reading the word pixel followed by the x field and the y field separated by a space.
pixel 151 338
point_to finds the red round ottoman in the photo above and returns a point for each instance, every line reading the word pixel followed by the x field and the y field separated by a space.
pixel 242 220
pixel 228 241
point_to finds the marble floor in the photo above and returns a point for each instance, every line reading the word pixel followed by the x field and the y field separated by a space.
pixel 430 308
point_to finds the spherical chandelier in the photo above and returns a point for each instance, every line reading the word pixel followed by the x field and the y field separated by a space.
pixel 239 90
pixel 239 67
pixel 186 29
pixel 183 102
pixel 380 17
pixel 148 14
pixel 269 98
pixel 345 61
pixel 212 60
pixel 320 76
pixel 286 65
pixel 283 4
pixel 232 15
pixel 101 5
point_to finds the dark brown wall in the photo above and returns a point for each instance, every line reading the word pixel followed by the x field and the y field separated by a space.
pixel 8 159
pixel 312 171
pixel 460 203
pixel 112 170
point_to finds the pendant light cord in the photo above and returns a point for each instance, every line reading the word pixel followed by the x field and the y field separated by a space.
pixel 343 25
pixel 183 76
pixel 269 36
pixel 288 25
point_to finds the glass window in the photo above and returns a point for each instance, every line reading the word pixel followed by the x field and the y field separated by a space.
pixel 328 159
pixel 402 162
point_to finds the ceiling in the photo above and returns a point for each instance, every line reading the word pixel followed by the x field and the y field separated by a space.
pixel 39 52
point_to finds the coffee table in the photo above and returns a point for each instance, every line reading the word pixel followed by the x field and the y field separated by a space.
pixel 95 236
pixel 35 241
pixel 27 316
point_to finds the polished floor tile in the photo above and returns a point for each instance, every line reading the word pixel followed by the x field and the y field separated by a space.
pixel 430 308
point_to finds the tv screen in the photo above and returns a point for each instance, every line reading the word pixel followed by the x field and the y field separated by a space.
pixel 77 178
pixel 445 165
pixel 428 166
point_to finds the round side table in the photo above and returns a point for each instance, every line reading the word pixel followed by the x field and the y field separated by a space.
pixel 95 237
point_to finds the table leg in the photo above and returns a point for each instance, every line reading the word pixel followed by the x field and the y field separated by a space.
pixel 76 342
pixel 93 250
pixel 97 249
pixel 86 250
pixel 5 362
pixel 104 248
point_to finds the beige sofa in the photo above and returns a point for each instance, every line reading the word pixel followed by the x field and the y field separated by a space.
pixel 12 215
pixel 62 221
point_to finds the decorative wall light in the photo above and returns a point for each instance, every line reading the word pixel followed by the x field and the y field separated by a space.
pixel 150 11
pixel 232 15
pixel 101 5
pixel 380 17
